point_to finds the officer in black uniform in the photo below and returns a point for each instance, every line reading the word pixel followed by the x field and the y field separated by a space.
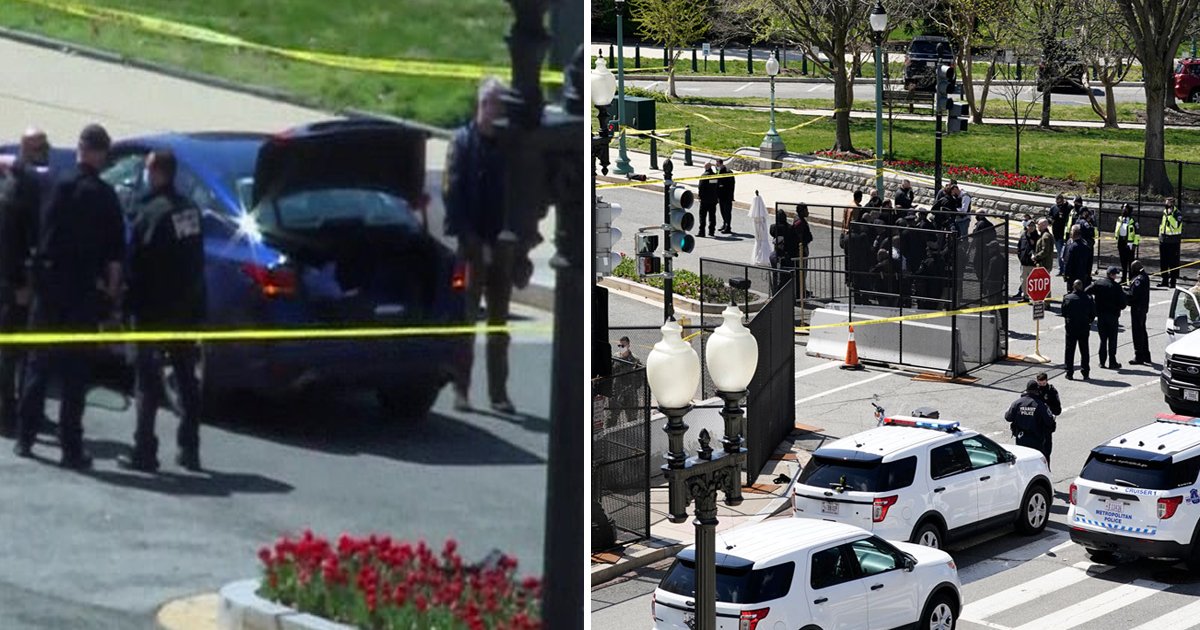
pixel 1139 306
pixel 30 181
pixel 1110 301
pixel 1079 311
pixel 80 246
pixel 166 291
pixel 1030 420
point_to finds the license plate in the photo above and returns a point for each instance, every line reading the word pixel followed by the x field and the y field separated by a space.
pixel 829 507
pixel 1191 394
pixel 1116 507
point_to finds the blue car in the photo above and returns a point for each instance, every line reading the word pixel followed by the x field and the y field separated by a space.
pixel 319 226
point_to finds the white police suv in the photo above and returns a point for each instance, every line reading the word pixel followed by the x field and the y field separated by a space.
pixel 789 573
pixel 926 481
pixel 1138 494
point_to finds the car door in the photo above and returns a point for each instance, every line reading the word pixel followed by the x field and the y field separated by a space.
pixel 837 596
pixel 892 597
pixel 999 482
pixel 955 486
pixel 1184 316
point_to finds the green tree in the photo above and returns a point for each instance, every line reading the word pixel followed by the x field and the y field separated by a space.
pixel 970 24
pixel 673 24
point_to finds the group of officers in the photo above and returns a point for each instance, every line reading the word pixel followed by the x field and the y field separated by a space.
pixel 66 266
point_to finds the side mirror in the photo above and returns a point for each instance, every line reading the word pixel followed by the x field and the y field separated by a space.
pixel 910 563
pixel 1181 324
pixel 1010 457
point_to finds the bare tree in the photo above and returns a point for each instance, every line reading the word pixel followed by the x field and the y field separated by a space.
pixel 968 24
pixel 1107 49
pixel 1050 21
pixel 674 24
pixel 1020 101
pixel 1157 28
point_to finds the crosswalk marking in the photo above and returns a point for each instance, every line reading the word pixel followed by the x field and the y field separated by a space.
pixel 1024 553
pixel 1098 606
pixel 1178 619
pixel 1029 591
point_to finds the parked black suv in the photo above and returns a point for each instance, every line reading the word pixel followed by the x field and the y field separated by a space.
pixel 920 64
pixel 1062 69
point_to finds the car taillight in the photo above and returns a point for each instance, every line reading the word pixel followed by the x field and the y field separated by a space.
pixel 750 618
pixel 1072 494
pixel 272 281
pixel 1167 506
pixel 879 508
pixel 460 277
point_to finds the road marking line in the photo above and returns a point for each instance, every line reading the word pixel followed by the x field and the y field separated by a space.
pixel 838 389
pixel 652 85
pixel 1015 596
pixel 967 574
pixel 1180 619
pixel 1060 547
pixel 1098 606
pixel 815 87
pixel 1109 395
pixel 743 87
pixel 815 369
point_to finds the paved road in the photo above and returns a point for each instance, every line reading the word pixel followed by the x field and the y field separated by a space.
pixel 104 549
pixel 742 89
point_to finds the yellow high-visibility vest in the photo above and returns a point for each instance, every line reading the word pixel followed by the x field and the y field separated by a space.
pixel 1171 225
pixel 1130 230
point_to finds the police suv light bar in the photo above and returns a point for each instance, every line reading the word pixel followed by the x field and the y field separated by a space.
pixel 948 426
pixel 1171 418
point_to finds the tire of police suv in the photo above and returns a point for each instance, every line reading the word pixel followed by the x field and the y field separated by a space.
pixel 940 613
pixel 926 533
pixel 411 402
pixel 1100 556
pixel 1034 513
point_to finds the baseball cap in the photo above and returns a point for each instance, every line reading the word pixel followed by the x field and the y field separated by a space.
pixel 1114 269
pixel 1031 385
pixel 1078 198
pixel 94 138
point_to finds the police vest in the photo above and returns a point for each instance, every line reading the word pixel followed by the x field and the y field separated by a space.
pixel 1171 225
pixel 1130 230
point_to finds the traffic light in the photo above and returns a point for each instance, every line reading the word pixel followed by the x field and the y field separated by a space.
pixel 606 237
pixel 956 121
pixel 647 262
pixel 682 221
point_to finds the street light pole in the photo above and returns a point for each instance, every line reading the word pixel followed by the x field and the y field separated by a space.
pixel 939 95
pixel 878 26
pixel 772 145
pixel 623 167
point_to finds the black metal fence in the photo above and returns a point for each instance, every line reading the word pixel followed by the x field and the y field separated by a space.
pixel 1145 184
pixel 887 262
pixel 621 451
pixel 771 400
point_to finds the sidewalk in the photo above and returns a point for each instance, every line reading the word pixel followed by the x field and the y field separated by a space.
pixel 765 499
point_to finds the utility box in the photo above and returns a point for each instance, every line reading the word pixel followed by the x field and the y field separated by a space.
pixel 639 112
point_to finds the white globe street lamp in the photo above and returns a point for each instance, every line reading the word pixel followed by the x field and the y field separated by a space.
pixel 772 145
pixel 879 20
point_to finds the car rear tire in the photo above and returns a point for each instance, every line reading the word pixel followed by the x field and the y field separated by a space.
pixel 1194 97
pixel 928 534
pixel 1100 556
pixel 411 402
pixel 940 613
pixel 1035 510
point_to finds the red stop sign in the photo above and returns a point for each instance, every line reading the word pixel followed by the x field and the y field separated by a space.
pixel 1037 286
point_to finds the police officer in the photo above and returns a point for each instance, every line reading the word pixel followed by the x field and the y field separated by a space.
pixel 1031 421
pixel 474 182
pixel 1170 234
pixel 1079 311
pixel 709 197
pixel 1139 306
pixel 166 291
pixel 1110 301
pixel 31 178
pixel 725 186
pixel 1126 233
pixel 1077 261
pixel 80 246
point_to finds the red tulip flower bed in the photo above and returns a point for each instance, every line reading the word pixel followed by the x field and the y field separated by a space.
pixel 381 584
pixel 976 174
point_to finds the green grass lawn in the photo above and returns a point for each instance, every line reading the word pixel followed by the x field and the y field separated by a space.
pixel 472 32
pixel 1069 154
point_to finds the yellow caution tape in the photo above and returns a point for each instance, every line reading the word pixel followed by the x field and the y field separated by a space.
pixel 918 316
pixel 411 67
pixel 286 334
pixel 651 132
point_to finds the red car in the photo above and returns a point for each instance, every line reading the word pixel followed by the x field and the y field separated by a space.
pixel 1187 80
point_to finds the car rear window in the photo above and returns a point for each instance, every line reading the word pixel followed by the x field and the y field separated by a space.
pixel 927 48
pixel 735 585
pixel 861 476
pixel 1135 472
pixel 314 209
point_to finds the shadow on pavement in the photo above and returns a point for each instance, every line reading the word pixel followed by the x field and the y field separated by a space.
pixel 526 421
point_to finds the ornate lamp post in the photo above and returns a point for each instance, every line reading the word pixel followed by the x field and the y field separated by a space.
pixel 623 166
pixel 604 86
pixel 879 20
pixel 772 145
pixel 673 370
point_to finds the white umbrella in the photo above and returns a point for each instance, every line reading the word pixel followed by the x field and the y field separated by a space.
pixel 762 238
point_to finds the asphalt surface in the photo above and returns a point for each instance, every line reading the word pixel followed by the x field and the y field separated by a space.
pixel 783 89
pixel 105 549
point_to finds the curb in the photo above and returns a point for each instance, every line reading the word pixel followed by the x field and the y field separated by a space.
pixel 242 609
pixel 610 572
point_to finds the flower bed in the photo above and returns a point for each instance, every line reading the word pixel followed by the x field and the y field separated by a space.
pixel 975 174
pixel 381 584
pixel 686 283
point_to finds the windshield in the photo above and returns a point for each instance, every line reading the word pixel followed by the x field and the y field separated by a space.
pixel 1139 473
pixel 868 476
pixel 928 48
pixel 734 585
pixel 314 209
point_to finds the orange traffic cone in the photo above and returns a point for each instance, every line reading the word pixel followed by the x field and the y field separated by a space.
pixel 851 362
